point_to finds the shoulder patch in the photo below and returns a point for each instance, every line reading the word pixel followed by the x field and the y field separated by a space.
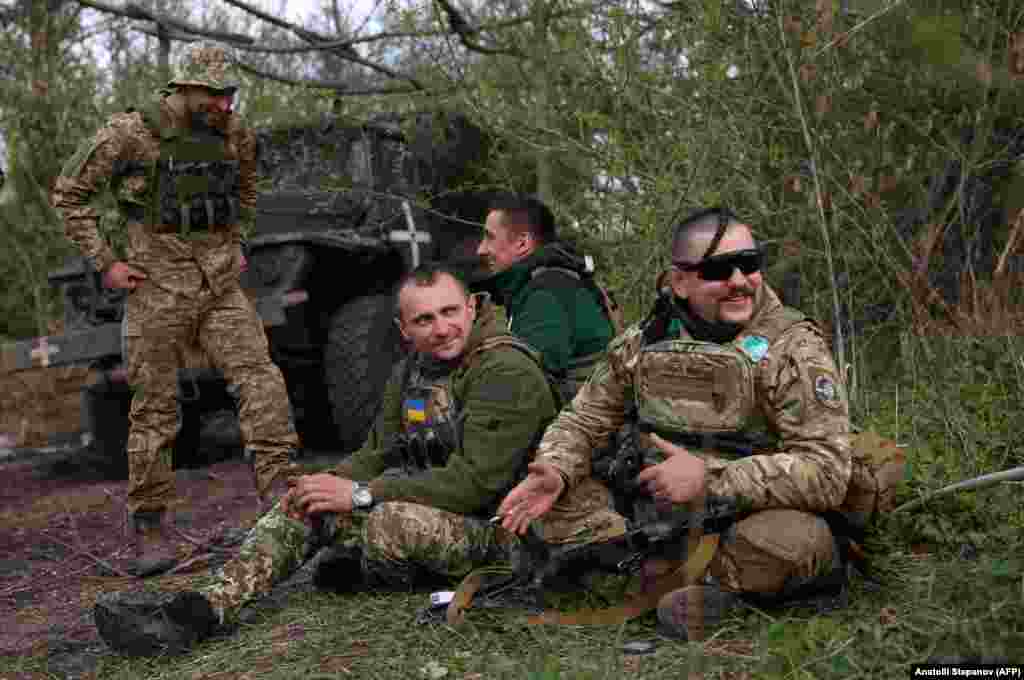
pixel 826 391
pixel 755 347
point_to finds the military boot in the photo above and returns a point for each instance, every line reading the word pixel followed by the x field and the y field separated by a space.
pixel 147 624
pixel 154 550
pixel 688 613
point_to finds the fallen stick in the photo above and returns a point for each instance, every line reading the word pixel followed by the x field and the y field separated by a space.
pixel 85 553
pixel 1013 475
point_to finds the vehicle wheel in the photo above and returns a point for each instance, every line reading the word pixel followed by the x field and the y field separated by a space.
pixel 363 345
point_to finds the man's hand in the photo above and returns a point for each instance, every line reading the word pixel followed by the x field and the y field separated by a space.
pixel 678 479
pixel 313 494
pixel 122 275
pixel 532 497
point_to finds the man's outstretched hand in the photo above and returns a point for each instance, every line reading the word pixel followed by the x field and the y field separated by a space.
pixel 531 498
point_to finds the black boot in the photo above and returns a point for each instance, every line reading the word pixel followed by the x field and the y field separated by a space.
pixel 147 624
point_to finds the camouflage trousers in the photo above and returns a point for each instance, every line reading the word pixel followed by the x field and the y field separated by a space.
pixel 165 331
pixel 395 540
pixel 772 550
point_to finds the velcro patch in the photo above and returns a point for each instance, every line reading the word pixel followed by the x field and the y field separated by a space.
pixel 755 347
pixel 826 390
pixel 415 410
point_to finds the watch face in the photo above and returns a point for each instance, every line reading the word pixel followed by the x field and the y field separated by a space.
pixel 362 498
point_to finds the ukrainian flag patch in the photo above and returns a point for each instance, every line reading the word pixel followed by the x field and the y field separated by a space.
pixel 416 410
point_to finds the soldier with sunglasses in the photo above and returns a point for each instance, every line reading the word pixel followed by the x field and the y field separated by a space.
pixel 720 359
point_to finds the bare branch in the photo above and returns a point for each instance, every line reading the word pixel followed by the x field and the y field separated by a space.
pixel 345 52
pixel 339 86
pixel 465 31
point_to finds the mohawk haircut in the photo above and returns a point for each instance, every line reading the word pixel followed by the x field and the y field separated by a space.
pixel 714 221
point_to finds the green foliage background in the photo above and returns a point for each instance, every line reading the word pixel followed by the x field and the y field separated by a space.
pixel 824 123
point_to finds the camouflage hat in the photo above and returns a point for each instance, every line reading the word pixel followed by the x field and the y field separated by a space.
pixel 207 65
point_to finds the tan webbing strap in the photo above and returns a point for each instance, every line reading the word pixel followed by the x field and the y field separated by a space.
pixel 463 599
pixel 688 573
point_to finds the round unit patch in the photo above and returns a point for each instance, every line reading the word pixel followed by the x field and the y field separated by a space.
pixel 826 391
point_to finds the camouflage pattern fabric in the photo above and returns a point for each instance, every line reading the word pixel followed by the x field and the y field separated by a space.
pixel 397 541
pixel 118 157
pixel 162 330
pixel 190 299
pixel 771 549
pixel 207 65
pixel 799 397
pixel 503 400
pixel 405 537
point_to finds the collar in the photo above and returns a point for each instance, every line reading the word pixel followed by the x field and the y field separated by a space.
pixel 720 332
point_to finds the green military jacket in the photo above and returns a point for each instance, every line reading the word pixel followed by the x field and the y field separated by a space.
pixel 563 322
pixel 505 400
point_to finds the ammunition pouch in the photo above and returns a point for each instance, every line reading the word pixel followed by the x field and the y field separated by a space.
pixel 427 446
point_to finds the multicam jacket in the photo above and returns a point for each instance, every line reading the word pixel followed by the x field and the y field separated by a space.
pixel 124 156
pixel 793 391
pixel 504 400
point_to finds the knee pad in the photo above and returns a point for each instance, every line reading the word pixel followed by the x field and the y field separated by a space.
pixel 769 548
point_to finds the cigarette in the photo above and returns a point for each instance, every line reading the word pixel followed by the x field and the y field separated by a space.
pixel 495 519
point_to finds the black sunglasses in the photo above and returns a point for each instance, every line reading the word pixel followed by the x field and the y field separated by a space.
pixel 720 267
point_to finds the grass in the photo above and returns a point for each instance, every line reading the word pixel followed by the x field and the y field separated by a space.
pixel 931 603
pixel 951 573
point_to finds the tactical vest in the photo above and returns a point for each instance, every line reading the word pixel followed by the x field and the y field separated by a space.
pixel 704 393
pixel 194 183
pixel 432 417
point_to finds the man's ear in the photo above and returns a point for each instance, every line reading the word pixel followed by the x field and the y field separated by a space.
pixel 528 242
pixel 401 329
pixel 471 306
pixel 679 282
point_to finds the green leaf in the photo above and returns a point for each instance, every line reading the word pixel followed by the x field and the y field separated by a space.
pixel 777 631
pixel 1001 568
pixel 938 37
pixel 840 664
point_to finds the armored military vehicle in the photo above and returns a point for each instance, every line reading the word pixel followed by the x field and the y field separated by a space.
pixel 344 212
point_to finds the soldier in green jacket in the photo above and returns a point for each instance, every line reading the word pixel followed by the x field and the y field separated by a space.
pixel 720 359
pixel 465 408
pixel 546 288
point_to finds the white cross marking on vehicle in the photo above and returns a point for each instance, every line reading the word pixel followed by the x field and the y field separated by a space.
pixel 412 236
pixel 42 352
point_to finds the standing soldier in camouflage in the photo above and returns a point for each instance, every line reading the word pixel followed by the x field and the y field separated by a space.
pixel 548 291
pixel 720 356
pixel 183 172
pixel 460 416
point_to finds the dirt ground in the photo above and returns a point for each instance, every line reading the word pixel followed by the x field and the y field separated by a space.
pixel 62 544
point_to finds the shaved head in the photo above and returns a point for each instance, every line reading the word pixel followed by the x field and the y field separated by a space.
pixel 693 236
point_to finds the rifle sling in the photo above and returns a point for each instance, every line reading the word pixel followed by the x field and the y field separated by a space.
pixel 687 573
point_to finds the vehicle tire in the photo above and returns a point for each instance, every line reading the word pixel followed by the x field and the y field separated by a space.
pixel 363 345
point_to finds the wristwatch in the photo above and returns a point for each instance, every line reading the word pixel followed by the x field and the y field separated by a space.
pixel 361 496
